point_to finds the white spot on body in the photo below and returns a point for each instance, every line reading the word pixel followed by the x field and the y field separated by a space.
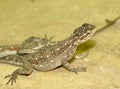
pixel 65 44
pixel 47 56
pixel 79 40
pixel 51 61
pixel 52 52
pixel 77 31
pixel 76 37
pixel 58 49
pixel 40 65
pixel 70 41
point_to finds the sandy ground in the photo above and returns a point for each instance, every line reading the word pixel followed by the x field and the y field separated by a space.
pixel 58 18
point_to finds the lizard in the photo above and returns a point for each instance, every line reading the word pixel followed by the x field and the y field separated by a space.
pixel 33 44
pixel 51 56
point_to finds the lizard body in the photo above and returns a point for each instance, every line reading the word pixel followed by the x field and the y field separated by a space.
pixel 51 56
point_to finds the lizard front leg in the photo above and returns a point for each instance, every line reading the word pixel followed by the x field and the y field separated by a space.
pixel 67 66
pixel 25 70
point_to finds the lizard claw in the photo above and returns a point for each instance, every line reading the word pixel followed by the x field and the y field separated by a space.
pixel 75 70
pixel 12 79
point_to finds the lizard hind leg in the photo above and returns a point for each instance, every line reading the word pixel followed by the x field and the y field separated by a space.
pixel 25 70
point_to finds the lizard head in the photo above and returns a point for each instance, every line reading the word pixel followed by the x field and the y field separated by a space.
pixel 83 33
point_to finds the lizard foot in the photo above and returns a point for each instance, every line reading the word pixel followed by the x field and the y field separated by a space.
pixel 12 79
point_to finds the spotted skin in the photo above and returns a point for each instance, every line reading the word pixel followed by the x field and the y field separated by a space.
pixel 51 56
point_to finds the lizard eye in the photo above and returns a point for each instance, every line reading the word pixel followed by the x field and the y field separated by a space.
pixel 88 33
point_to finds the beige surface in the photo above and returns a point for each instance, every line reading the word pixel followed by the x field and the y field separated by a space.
pixel 24 18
